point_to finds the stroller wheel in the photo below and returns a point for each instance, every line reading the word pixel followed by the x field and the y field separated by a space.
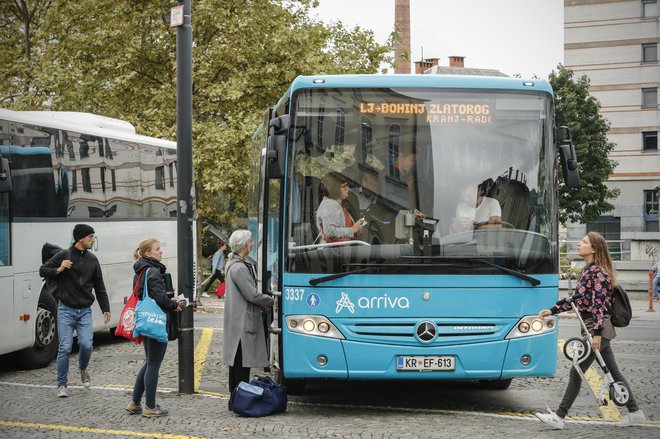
pixel 576 348
pixel 619 393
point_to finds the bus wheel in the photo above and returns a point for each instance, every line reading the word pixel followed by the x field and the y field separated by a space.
pixel 495 384
pixel 293 386
pixel 44 349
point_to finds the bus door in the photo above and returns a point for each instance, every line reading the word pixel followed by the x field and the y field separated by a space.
pixel 273 199
pixel 6 269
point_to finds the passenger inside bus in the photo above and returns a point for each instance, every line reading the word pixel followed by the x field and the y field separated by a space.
pixel 402 166
pixel 477 210
pixel 332 219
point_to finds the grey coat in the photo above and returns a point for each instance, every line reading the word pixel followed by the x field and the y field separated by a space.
pixel 243 322
pixel 330 220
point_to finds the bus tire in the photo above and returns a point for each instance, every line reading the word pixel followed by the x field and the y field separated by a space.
pixel 44 350
pixel 502 384
pixel 293 386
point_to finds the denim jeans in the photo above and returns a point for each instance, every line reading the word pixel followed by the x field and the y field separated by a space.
pixel 656 287
pixel 575 380
pixel 147 378
pixel 69 319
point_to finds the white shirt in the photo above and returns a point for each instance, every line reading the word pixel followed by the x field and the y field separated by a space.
pixel 489 207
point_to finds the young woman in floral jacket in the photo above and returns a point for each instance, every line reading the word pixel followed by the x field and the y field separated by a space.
pixel 595 285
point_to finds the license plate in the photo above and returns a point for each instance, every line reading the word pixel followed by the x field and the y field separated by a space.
pixel 425 362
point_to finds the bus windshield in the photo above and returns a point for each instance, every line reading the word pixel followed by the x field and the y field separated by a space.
pixel 429 181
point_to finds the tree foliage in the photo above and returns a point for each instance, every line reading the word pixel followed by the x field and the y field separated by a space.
pixel 118 59
pixel 579 111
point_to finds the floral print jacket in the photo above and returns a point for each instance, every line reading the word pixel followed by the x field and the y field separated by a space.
pixel 596 289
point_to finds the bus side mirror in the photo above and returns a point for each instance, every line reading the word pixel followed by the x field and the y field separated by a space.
pixel 5 176
pixel 276 151
pixel 567 157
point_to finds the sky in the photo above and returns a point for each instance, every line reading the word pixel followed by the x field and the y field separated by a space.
pixel 523 37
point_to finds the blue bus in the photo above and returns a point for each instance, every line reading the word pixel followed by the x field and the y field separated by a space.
pixel 453 182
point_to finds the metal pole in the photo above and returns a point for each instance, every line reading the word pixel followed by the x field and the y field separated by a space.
pixel 185 201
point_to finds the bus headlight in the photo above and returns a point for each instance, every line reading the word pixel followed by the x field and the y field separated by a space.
pixel 313 325
pixel 532 325
pixel 309 325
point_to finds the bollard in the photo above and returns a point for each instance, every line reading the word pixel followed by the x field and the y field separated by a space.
pixel 650 292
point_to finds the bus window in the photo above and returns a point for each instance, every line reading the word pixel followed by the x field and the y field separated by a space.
pixel 4 230
pixel 407 155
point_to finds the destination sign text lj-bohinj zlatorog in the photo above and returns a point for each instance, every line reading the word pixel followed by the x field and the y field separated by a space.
pixel 434 112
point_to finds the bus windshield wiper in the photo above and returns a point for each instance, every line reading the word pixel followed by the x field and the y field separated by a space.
pixel 318 280
pixel 532 280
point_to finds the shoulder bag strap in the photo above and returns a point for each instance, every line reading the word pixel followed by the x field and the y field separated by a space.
pixel 137 283
pixel 146 285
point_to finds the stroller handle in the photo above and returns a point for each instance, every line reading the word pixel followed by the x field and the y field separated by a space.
pixel 570 299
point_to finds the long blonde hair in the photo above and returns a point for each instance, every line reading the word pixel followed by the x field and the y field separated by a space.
pixel 602 257
pixel 143 247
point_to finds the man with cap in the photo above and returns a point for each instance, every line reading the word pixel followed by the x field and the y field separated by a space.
pixel 76 271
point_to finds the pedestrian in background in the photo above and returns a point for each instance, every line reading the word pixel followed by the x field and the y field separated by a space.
pixel 244 338
pixel 596 282
pixel 76 271
pixel 656 281
pixel 218 266
pixel 149 255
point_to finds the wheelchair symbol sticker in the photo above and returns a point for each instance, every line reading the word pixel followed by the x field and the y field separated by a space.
pixel 313 300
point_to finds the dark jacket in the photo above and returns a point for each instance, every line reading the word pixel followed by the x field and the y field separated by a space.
pixel 155 283
pixel 75 284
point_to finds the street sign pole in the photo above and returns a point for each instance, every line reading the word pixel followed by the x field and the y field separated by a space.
pixel 185 193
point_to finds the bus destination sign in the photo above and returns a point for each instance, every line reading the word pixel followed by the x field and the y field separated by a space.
pixel 448 113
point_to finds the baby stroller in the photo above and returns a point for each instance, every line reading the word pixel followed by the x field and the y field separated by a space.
pixel 577 349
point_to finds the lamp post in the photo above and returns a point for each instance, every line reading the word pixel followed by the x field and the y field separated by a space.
pixel 185 190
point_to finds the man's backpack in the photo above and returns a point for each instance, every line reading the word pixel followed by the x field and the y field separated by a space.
pixel 621 310
pixel 49 250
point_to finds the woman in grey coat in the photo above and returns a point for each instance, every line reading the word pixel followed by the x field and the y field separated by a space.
pixel 332 219
pixel 244 340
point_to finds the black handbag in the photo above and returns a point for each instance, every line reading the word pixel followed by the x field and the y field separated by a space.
pixel 172 316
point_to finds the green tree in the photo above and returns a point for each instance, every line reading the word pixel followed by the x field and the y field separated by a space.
pixel 579 111
pixel 118 59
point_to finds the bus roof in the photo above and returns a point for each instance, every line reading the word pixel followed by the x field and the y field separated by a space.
pixel 84 123
pixel 432 81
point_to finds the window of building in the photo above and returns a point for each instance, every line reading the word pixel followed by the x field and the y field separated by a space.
pixel 86 180
pixel 650 141
pixel 366 146
pixel 651 206
pixel 340 127
pixel 319 127
pixel 650 52
pixel 649 8
pixel 650 97
pixel 610 227
pixel 393 148
pixel 160 177
pixel 103 169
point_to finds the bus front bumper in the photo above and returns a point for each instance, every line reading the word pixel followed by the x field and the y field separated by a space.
pixel 318 357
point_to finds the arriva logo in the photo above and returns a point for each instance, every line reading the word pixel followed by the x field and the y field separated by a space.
pixel 377 302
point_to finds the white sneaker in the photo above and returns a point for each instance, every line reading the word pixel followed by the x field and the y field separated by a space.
pixel 206 295
pixel 633 418
pixel 551 419
pixel 62 392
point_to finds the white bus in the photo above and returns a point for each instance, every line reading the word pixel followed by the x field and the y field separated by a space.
pixel 67 168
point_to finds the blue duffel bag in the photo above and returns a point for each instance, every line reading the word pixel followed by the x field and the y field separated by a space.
pixel 260 397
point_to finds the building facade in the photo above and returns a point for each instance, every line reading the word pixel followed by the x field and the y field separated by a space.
pixel 614 43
